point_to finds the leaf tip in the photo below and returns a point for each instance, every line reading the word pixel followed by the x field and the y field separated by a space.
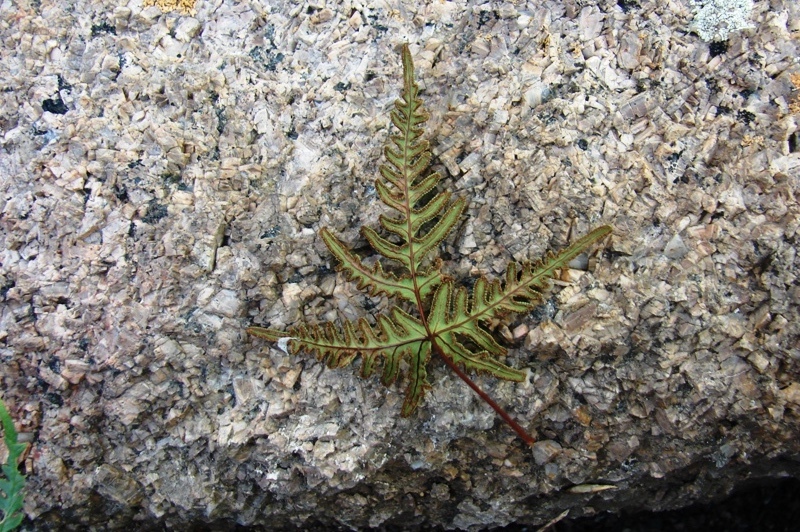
pixel 268 334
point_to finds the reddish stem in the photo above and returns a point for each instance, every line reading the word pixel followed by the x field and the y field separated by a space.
pixel 527 438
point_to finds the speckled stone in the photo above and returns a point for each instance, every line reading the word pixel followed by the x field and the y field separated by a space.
pixel 165 173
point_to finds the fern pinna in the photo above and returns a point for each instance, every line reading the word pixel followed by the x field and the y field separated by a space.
pixel 447 320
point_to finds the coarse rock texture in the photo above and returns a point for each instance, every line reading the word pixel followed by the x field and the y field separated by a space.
pixel 164 175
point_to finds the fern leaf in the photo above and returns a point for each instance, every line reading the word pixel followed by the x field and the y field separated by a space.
pixel 387 343
pixel 522 289
pixel 374 279
pixel 378 281
pixel 452 325
pixel 268 334
pixel 448 319
pixel 417 378
pixel 403 188
pixel 453 317
pixel 11 494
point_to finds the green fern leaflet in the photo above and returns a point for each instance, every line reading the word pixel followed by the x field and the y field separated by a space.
pixel 13 481
pixel 447 320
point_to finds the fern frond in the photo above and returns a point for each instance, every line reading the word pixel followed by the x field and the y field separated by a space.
pixel 403 188
pixel 448 318
pixel 11 486
pixel 391 340
pixel 522 290
pixel 454 317
pixel 378 281
pixel 454 327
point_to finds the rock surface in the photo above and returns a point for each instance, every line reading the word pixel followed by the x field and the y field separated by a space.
pixel 164 175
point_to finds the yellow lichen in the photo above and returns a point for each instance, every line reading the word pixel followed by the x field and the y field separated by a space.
pixel 753 140
pixel 184 6
pixel 794 105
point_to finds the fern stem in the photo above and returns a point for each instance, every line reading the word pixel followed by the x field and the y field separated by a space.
pixel 522 433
